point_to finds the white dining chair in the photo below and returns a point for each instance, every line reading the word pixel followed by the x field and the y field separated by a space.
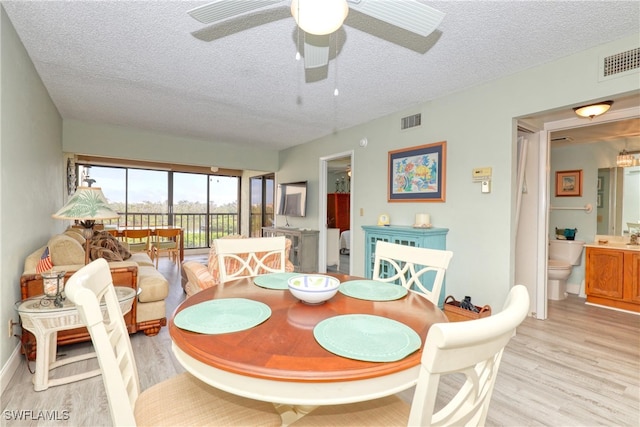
pixel 240 258
pixel 412 266
pixel 473 348
pixel 180 400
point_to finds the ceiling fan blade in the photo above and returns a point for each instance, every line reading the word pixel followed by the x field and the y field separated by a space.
pixel 223 9
pixel 316 51
pixel 407 14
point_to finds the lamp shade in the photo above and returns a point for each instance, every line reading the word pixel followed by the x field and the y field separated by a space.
pixel 319 17
pixel 86 204
pixel 593 110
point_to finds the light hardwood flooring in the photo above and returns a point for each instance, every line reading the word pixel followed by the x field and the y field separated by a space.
pixel 581 367
pixel 344 265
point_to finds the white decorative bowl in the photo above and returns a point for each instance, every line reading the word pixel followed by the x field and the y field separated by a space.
pixel 313 288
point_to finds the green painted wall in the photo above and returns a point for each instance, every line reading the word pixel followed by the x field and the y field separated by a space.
pixel 32 172
pixel 126 143
pixel 479 127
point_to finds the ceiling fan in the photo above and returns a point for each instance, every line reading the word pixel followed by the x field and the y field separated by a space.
pixel 326 16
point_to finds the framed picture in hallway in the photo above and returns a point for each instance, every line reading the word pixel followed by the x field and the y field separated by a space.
pixel 417 174
pixel 569 183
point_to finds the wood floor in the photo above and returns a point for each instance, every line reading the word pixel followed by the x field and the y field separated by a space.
pixel 581 367
pixel 344 265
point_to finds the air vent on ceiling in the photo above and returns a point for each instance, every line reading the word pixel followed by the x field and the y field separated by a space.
pixel 620 64
pixel 411 121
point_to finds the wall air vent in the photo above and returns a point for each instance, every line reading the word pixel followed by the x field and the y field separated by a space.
pixel 411 121
pixel 562 139
pixel 620 64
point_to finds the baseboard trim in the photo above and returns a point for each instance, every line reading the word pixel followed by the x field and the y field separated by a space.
pixel 10 368
pixel 613 308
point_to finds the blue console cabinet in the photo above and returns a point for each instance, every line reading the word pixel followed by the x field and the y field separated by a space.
pixel 433 238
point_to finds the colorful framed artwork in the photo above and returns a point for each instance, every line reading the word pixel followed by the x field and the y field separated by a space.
pixel 417 174
pixel 569 183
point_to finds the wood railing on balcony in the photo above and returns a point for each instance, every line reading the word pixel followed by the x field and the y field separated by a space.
pixel 199 229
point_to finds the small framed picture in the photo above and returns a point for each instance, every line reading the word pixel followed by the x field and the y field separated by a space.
pixel 417 174
pixel 599 202
pixel 569 183
pixel 600 179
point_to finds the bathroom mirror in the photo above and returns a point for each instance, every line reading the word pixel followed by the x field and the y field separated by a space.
pixel 618 200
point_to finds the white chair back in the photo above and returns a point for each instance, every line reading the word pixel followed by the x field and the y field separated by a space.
pixel 87 289
pixel 473 348
pixel 240 258
pixel 411 266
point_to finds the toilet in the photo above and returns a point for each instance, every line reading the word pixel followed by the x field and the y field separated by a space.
pixel 563 255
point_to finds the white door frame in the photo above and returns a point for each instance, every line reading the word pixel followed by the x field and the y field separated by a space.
pixel 543 206
pixel 322 207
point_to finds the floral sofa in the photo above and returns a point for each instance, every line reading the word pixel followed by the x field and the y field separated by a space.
pixel 197 276
pixel 67 253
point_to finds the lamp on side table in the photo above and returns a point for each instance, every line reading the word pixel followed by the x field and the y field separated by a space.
pixel 87 205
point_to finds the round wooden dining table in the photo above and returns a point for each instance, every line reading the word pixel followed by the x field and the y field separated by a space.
pixel 280 361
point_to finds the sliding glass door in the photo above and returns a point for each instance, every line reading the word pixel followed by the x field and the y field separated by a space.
pixel 205 206
pixel 262 197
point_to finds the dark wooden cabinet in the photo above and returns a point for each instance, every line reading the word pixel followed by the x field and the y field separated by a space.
pixel 613 278
pixel 338 210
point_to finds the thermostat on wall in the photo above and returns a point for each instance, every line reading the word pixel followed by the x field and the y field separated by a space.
pixel 481 174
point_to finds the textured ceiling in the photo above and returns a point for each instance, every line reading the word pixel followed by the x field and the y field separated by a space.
pixel 148 65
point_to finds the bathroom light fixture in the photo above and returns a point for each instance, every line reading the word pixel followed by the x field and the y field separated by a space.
pixel 626 159
pixel 593 110
pixel 319 17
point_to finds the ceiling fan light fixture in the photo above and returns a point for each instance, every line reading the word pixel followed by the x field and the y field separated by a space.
pixel 593 110
pixel 319 17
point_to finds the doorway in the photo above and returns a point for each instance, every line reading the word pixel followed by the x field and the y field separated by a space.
pixel 336 212
pixel 538 277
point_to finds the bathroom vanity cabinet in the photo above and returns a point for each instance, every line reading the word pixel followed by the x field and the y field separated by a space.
pixel 612 277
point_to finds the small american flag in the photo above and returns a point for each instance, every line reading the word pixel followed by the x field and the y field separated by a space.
pixel 44 263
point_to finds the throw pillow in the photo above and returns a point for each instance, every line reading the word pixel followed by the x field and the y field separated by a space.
pixel 101 252
pixel 75 234
pixel 65 250
pixel 32 260
pixel 106 240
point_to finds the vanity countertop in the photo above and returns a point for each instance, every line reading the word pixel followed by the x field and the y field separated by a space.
pixel 613 242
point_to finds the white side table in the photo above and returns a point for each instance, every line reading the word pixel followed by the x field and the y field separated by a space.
pixel 43 319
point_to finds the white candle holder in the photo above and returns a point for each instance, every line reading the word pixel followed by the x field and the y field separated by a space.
pixel 53 284
pixel 423 220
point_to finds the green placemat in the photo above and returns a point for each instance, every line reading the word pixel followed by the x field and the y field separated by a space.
pixel 372 290
pixel 220 316
pixel 367 337
pixel 274 280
